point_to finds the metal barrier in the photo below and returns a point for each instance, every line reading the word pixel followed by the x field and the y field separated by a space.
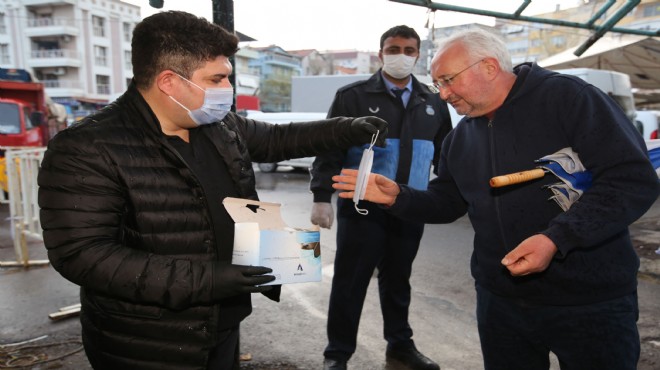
pixel 22 167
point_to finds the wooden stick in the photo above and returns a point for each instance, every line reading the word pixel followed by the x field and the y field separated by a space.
pixel 73 306
pixel 516 178
pixel 64 314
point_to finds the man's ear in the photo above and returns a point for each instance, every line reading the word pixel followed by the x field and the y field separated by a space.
pixel 492 67
pixel 166 81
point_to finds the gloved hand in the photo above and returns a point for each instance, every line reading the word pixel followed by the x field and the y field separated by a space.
pixel 363 128
pixel 322 214
pixel 230 280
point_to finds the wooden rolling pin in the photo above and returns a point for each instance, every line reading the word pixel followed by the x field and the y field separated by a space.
pixel 516 178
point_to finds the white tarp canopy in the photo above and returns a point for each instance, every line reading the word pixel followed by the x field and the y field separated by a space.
pixel 636 56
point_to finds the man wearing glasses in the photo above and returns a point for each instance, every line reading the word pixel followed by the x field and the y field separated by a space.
pixel 418 122
pixel 547 280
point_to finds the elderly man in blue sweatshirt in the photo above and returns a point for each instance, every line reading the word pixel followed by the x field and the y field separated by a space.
pixel 547 280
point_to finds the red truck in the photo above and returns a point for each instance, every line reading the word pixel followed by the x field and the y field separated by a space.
pixel 23 110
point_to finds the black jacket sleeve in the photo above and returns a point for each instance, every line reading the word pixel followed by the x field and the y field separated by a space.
pixel 268 142
pixel 330 163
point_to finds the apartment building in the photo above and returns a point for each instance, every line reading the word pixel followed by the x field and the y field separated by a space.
pixel 313 63
pixel 529 42
pixel 275 67
pixel 79 49
pixel 350 62
pixel 533 41
pixel 247 77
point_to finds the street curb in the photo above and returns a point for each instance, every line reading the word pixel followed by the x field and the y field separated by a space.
pixel 649 266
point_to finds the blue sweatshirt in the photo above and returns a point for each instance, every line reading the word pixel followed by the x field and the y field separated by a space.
pixel 545 112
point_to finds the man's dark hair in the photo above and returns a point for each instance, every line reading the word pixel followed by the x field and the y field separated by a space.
pixel 400 31
pixel 178 41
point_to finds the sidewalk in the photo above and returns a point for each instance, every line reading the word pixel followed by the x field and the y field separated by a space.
pixel 645 234
pixel 23 319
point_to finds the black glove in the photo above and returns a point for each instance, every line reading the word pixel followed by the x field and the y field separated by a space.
pixel 231 280
pixel 363 128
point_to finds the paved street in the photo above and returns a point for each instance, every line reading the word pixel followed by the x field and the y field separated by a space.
pixel 290 335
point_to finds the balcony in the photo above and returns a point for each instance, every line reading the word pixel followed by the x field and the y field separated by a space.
pixel 49 2
pixel 63 88
pixel 282 60
pixel 54 58
pixel 51 27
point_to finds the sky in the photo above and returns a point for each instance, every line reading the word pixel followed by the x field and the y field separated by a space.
pixel 341 24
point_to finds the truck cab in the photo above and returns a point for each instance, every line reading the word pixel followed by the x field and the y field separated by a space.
pixel 23 110
pixel 20 125
pixel 23 115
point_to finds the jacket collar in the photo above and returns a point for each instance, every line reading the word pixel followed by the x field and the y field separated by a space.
pixel 135 103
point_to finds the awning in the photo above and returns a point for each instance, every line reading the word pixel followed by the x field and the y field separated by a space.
pixel 91 101
pixel 636 56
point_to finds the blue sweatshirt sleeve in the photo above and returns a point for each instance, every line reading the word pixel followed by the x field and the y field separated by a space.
pixel 440 203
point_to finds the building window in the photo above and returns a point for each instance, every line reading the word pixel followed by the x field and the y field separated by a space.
pixel 127 60
pixel 98 26
pixel 558 41
pixel 651 11
pixel 100 56
pixel 4 54
pixel 28 122
pixel 102 84
pixel 128 32
pixel 518 47
pixel 3 25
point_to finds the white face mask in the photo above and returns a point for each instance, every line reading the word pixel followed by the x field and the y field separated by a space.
pixel 363 175
pixel 217 103
pixel 398 66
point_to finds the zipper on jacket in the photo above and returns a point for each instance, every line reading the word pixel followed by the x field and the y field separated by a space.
pixel 201 189
pixel 498 212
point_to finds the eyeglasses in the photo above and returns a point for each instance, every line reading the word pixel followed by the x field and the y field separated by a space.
pixel 444 82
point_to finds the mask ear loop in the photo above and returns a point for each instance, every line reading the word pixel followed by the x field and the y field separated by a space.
pixel 374 137
pixel 361 211
pixel 364 211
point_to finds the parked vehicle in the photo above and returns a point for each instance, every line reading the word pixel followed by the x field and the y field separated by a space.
pixel 648 122
pixel 283 118
pixel 23 110
pixel 615 84
pixel 25 115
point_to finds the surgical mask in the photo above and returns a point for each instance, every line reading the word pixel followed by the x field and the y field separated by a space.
pixel 398 66
pixel 364 170
pixel 217 103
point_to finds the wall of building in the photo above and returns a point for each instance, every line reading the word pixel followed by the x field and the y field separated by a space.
pixel 79 49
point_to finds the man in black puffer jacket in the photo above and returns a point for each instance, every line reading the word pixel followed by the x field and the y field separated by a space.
pixel 131 202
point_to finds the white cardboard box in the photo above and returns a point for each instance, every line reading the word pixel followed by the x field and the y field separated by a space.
pixel 262 238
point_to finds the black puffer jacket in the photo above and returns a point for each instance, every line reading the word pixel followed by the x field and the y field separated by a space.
pixel 126 219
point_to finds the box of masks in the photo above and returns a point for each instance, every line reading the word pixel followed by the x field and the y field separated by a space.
pixel 262 238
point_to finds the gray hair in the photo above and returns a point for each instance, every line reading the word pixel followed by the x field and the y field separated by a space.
pixel 480 44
